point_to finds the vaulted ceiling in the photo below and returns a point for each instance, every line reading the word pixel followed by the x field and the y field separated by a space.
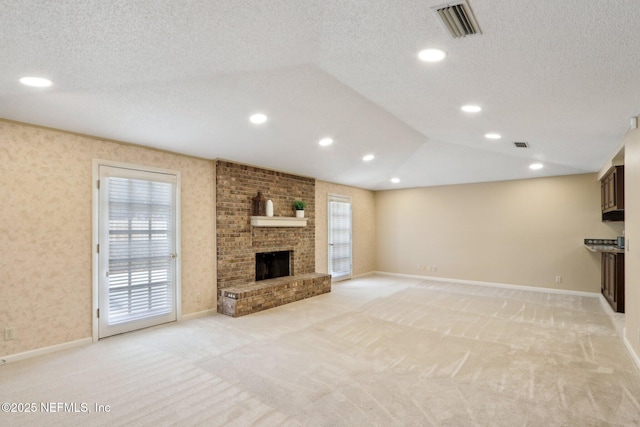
pixel 186 75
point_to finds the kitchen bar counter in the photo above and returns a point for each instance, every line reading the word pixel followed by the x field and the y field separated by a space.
pixel 605 248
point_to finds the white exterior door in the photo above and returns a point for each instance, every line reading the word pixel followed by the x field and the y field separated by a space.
pixel 339 237
pixel 137 249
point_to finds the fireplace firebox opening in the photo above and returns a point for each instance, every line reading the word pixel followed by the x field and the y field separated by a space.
pixel 270 265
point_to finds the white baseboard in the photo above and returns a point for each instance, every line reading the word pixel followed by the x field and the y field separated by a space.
pixel 368 273
pixel 630 349
pixel 79 343
pixel 493 285
pixel 199 314
pixel 45 350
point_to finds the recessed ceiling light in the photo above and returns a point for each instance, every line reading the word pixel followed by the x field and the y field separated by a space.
pixel 493 136
pixel 536 166
pixel 36 81
pixel 258 119
pixel 368 157
pixel 471 108
pixel 325 142
pixel 432 55
pixel 395 180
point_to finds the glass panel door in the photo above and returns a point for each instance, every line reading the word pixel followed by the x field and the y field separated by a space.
pixel 339 237
pixel 137 258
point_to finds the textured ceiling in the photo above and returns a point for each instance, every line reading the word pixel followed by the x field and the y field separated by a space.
pixel 185 75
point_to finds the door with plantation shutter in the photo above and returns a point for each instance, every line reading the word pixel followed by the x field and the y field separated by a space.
pixel 137 259
pixel 339 237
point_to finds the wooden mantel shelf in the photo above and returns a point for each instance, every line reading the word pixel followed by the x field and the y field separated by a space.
pixel 278 221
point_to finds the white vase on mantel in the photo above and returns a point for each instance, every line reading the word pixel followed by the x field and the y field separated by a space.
pixel 300 214
pixel 269 208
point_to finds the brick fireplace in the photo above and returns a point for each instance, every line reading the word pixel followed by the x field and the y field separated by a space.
pixel 239 242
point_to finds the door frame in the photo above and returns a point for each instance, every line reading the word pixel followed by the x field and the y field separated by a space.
pixel 95 236
pixel 342 199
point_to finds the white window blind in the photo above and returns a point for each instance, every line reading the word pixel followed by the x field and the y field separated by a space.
pixel 339 237
pixel 140 266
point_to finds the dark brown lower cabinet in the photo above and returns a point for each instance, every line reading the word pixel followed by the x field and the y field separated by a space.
pixel 613 279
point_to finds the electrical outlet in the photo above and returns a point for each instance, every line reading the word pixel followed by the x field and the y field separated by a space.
pixel 434 268
pixel 9 334
pixel 558 279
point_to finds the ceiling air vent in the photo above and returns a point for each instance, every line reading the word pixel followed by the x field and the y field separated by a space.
pixel 521 144
pixel 458 18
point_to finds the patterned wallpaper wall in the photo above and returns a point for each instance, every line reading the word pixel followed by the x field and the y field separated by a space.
pixel 46 229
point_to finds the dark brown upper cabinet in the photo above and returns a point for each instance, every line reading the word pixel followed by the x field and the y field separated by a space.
pixel 612 194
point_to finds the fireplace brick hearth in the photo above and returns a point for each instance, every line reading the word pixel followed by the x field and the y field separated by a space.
pixel 238 241
pixel 240 300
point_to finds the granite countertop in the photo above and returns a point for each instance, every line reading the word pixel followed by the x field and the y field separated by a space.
pixel 604 248
pixel 603 245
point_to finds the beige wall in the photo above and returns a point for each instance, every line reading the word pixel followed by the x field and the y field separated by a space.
pixel 46 228
pixel 632 231
pixel 363 208
pixel 523 232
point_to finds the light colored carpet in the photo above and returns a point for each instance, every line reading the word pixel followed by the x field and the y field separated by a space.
pixel 376 351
